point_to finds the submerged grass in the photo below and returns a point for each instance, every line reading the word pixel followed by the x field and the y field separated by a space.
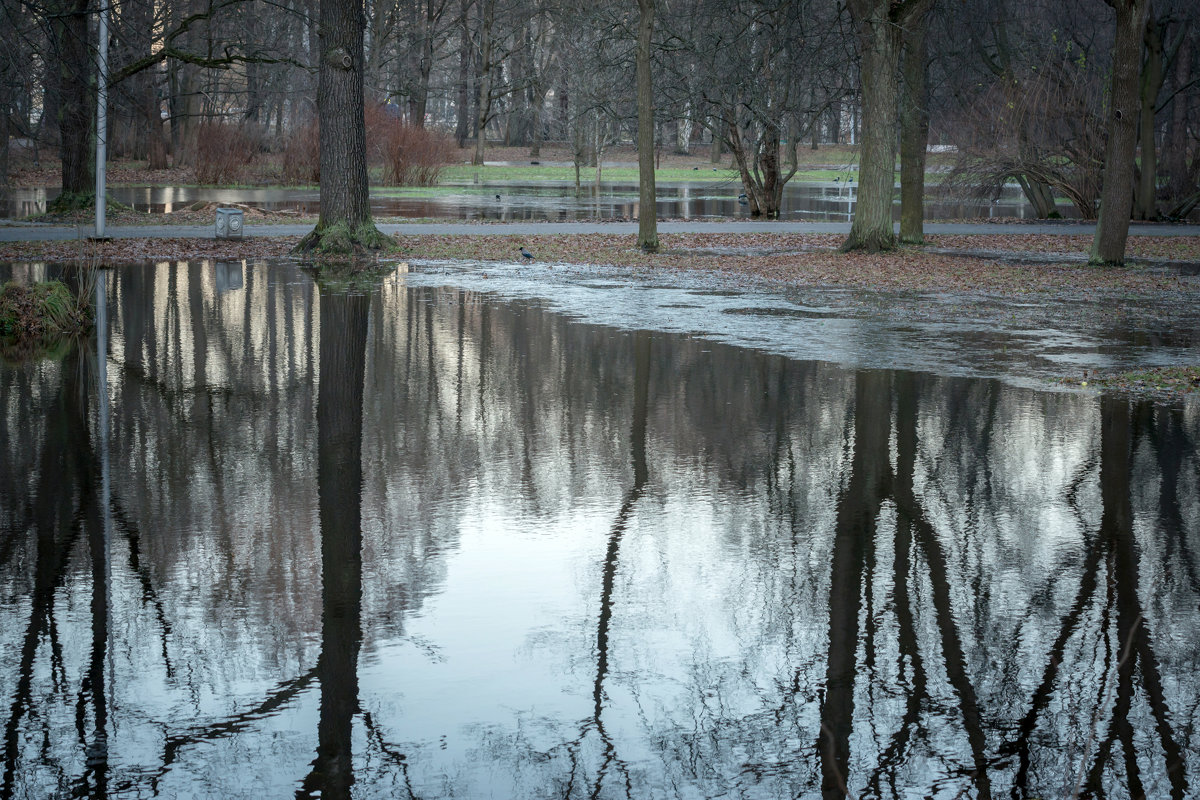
pixel 36 320
pixel 1152 383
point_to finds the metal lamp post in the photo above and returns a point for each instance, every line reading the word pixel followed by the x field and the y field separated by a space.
pixel 102 119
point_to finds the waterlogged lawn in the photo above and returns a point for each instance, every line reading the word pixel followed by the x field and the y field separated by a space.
pixel 532 173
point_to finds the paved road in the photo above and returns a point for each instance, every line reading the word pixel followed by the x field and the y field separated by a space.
pixel 11 231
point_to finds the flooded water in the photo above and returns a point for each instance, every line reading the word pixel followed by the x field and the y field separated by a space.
pixel 546 201
pixel 435 541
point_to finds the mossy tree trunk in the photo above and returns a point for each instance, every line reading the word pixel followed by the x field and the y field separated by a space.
pixel 1116 195
pixel 878 24
pixel 914 131
pixel 647 209
pixel 345 226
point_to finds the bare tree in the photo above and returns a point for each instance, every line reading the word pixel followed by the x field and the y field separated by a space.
pixel 879 25
pixel 1116 197
pixel 914 130
pixel 647 209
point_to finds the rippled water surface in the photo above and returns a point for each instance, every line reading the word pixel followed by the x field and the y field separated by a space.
pixel 427 541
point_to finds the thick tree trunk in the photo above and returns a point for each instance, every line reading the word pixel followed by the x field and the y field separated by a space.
pixel 69 29
pixel 1116 196
pixel 345 225
pixel 647 198
pixel 872 229
pixel 914 132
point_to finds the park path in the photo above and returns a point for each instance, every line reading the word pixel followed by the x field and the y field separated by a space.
pixel 15 231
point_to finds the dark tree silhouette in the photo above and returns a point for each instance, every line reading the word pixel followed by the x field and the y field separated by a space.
pixel 345 226
pixel 339 487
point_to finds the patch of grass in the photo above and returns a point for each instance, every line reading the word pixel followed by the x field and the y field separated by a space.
pixel 1154 383
pixel 341 241
pixel 75 207
pixel 34 320
pixel 533 173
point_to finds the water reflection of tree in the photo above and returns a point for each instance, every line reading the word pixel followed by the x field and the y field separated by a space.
pixel 1121 622
pixel 874 520
pixel 339 486
pixel 609 761
pixel 67 509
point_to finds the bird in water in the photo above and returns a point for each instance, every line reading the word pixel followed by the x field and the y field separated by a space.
pixel 528 255
pixel 497 197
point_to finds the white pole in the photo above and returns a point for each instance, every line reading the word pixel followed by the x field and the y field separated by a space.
pixel 102 422
pixel 102 120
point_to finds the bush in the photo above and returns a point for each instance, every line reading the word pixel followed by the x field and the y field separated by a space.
pixel 223 153
pixel 407 155
pixel 302 155
pixel 44 309
pixel 414 156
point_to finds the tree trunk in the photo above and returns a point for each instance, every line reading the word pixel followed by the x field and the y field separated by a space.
pixel 424 68
pixel 871 229
pixel 1146 206
pixel 683 132
pixel 539 113
pixel 464 70
pixel 1178 183
pixel 914 132
pixel 6 102
pixel 345 224
pixel 485 79
pixel 69 30
pixel 1039 195
pixel 647 199
pixel 1116 196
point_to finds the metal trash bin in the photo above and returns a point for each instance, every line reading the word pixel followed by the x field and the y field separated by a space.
pixel 230 223
pixel 228 276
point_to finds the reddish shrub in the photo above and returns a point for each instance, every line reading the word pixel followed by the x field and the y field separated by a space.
pixel 302 155
pixel 408 156
pixel 223 153
pixel 413 156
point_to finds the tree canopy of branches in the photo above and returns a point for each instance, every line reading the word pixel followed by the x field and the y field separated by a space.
pixel 759 76
pixel 1021 91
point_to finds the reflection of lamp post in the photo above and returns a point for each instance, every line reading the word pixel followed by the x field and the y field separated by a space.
pixel 101 119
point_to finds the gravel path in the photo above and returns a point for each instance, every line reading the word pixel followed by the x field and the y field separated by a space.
pixel 15 231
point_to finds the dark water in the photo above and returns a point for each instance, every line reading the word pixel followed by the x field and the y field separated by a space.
pixel 548 201
pixel 424 543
